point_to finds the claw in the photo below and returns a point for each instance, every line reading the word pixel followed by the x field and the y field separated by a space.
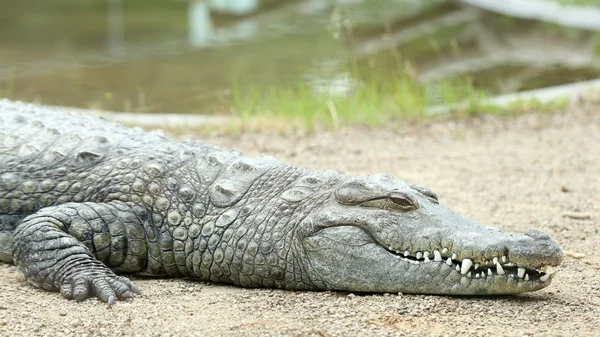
pixel 80 289
pixel 132 287
pixel 107 288
pixel 126 294
pixel 66 290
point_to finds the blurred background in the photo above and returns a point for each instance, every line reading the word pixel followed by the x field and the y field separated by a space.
pixel 309 63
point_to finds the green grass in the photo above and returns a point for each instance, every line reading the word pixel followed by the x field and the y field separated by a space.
pixel 596 42
pixel 557 104
pixel 374 101
pixel 580 2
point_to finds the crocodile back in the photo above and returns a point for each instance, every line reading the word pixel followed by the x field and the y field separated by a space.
pixel 49 156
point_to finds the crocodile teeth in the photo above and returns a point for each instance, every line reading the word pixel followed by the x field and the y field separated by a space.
pixel 521 272
pixel 425 254
pixel 504 258
pixel 449 261
pixel 490 273
pixel 466 265
pixel 544 277
pixel 477 275
pixel 437 257
pixel 499 269
pixel 457 268
pixel 476 266
pixel 406 253
pixel 526 277
pixel 444 251
pixel 427 259
pixel 419 255
pixel 495 260
pixel 469 274
pixel 454 256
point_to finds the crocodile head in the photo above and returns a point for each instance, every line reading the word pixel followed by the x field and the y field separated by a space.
pixel 379 234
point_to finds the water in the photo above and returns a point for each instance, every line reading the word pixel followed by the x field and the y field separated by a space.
pixel 195 56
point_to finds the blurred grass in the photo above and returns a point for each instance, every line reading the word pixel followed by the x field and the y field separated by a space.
pixel 595 3
pixel 373 101
pixel 293 110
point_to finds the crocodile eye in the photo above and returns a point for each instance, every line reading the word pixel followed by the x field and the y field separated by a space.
pixel 403 201
pixel 394 201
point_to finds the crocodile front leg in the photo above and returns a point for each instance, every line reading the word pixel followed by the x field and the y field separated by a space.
pixel 72 248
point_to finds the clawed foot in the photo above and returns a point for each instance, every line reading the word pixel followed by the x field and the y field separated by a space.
pixel 106 287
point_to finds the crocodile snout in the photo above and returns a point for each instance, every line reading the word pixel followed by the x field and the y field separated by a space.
pixel 535 248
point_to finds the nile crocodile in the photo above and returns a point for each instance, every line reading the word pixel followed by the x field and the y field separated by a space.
pixel 82 200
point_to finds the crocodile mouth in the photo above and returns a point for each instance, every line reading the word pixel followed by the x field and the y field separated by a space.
pixel 350 258
pixel 476 268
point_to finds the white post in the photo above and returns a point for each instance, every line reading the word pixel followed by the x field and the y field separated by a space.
pixel 200 27
pixel 115 26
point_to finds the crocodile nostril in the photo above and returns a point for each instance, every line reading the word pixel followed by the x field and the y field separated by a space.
pixel 537 235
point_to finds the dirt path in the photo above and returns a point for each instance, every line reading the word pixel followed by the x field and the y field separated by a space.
pixel 513 173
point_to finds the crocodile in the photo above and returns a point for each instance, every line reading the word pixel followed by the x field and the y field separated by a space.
pixel 84 201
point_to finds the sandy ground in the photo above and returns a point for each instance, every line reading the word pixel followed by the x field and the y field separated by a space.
pixel 513 173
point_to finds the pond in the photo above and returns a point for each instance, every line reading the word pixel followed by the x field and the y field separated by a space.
pixel 245 56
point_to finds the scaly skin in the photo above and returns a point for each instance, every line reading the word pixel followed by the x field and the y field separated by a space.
pixel 82 199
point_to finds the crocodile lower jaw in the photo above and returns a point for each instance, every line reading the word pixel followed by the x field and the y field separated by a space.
pixel 495 266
